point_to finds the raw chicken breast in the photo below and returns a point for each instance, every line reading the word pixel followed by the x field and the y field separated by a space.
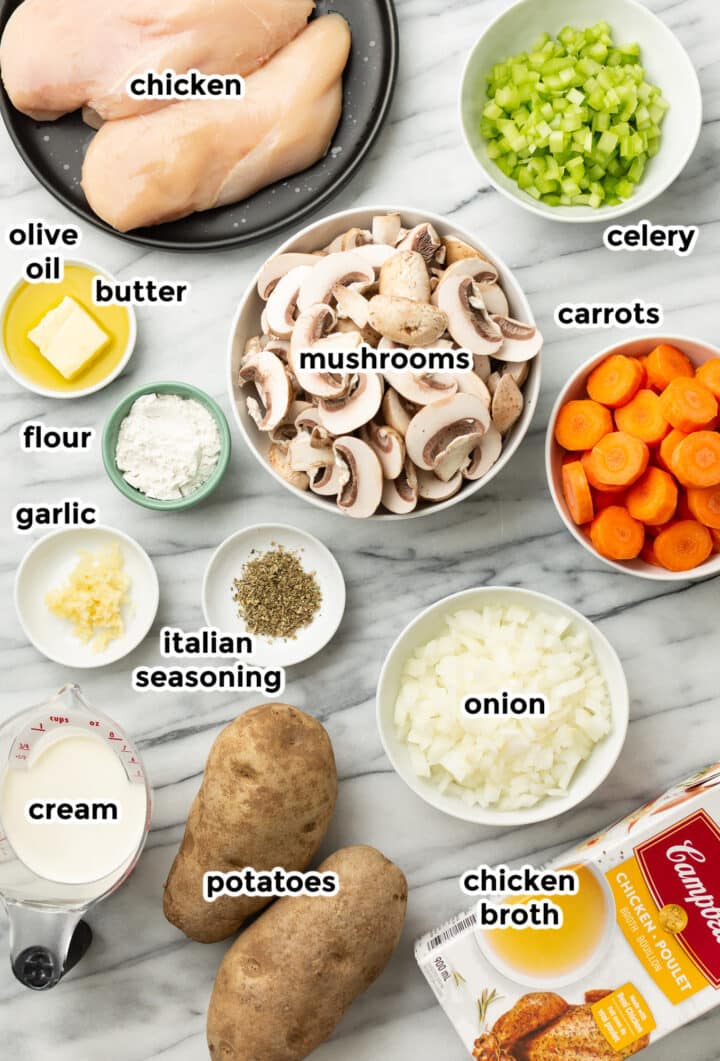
pixel 59 55
pixel 201 154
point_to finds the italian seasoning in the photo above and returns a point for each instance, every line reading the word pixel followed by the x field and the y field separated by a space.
pixel 275 595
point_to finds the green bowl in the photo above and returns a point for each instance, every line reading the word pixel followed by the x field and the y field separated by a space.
pixel 112 429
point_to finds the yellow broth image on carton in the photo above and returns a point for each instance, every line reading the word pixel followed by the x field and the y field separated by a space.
pixel 636 954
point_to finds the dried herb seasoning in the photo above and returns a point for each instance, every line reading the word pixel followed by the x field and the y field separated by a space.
pixel 275 595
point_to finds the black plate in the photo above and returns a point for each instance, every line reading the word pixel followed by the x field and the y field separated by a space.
pixel 54 151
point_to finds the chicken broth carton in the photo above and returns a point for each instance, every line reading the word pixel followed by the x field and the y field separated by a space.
pixel 622 949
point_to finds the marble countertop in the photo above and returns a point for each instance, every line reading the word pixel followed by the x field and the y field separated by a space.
pixel 142 992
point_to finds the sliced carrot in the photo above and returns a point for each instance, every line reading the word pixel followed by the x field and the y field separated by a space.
pixel 643 418
pixel 705 505
pixel 615 381
pixel 683 509
pixel 696 461
pixel 603 499
pixel 709 375
pixel 715 535
pixel 683 546
pixel 616 535
pixel 666 363
pixel 577 493
pixel 614 491
pixel 618 459
pixel 648 553
pixel 668 446
pixel 581 424
pixel 654 497
pixel 688 405
pixel 645 381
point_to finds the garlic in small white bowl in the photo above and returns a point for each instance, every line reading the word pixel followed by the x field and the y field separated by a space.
pixel 386 445
pixel 502 770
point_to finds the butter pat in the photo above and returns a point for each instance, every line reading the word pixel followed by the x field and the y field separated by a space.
pixel 69 338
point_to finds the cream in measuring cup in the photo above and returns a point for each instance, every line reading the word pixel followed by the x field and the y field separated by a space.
pixel 72 816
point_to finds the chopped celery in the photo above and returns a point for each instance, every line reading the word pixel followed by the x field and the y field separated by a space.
pixel 574 120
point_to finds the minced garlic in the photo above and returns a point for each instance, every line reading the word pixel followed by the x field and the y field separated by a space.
pixel 93 597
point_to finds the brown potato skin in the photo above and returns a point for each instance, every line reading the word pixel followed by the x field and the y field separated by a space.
pixel 286 983
pixel 266 800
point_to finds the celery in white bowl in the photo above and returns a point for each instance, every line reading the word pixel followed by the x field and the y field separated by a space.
pixel 581 127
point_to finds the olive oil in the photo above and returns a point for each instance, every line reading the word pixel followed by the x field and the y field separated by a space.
pixel 29 305
pixel 550 954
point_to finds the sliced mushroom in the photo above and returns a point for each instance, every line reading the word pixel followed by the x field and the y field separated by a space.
pixel 444 434
pixel 407 322
pixel 423 388
pixel 344 268
pixel 519 370
pixel 273 271
pixel 351 304
pixel 457 249
pixel 361 492
pixel 307 456
pixel 425 240
pixel 470 383
pixel 485 455
pixel 388 445
pixel 471 328
pixel 395 412
pixel 482 366
pixel 342 415
pixel 495 300
pixel 328 481
pixel 430 488
pixel 280 310
pixel 507 404
pixel 308 332
pixel 287 429
pixel 522 342
pixel 350 240
pixel 253 346
pixel 480 269
pixel 400 495
pixel 386 228
pixel 405 275
pixel 279 460
pixel 492 382
pixel 268 374
pixel 376 254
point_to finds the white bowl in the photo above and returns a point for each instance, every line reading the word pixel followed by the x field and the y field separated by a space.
pixel 47 392
pixel 427 626
pixel 226 565
pixel 247 324
pixel 699 352
pixel 667 65
pixel 47 565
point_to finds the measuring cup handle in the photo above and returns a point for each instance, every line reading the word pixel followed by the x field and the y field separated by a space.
pixel 45 944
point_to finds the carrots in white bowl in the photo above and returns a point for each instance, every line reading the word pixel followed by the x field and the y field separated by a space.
pixel 634 457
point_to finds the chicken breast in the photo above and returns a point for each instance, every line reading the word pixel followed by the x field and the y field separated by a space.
pixel 56 57
pixel 201 154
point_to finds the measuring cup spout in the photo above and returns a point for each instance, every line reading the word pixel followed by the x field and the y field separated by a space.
pixel 45 944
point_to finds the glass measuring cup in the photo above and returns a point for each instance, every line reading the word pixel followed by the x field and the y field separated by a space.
pixel 46 903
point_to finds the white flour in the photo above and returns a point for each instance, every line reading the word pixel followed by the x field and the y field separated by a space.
pixel 167 446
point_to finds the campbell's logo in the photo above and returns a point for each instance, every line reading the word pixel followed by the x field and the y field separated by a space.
pixel 682 866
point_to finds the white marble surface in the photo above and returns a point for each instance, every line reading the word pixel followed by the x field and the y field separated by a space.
pixel 142 992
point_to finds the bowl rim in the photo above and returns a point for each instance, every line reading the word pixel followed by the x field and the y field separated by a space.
pixel 535 378
pixel 91 664
pixel 586 215
pixel 119 413
pixel 546 809
pixel 47 392
pixel 279 528
pixel 646 571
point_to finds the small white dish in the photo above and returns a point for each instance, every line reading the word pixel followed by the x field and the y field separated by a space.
pixel 666 63
pixel 48 564
pixel 576 387
pixel 226 565
pixel 589 776
pixel 48 392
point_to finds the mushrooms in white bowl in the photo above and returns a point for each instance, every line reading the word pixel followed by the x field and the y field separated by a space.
pixel 396 442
